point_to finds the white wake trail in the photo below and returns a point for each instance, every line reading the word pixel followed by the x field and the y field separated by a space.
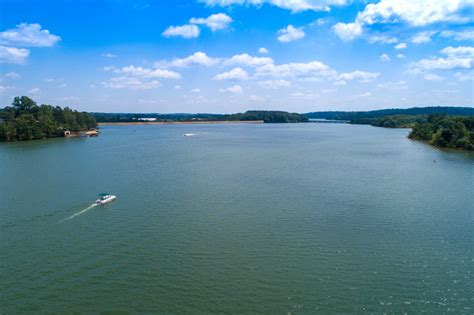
pixel 79 213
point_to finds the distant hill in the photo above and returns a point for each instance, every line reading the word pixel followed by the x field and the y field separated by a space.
pixel 360 116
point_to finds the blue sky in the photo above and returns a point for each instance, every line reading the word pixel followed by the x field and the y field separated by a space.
pixel 223 56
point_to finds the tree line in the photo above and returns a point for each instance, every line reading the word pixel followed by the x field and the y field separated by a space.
pixel 265 116
pixel 444 131
pixel 25 120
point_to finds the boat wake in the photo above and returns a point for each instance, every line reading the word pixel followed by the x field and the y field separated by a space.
pixel 79 213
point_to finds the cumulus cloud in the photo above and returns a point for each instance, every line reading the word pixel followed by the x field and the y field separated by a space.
pixel 432 77
pixel 196 90
pixel 401 56
pixel 236 89
pixel 401 46
pixel 249 61
pixel 309 69
pixel 274 84
pixel 234 74
pixel 34 91
pixel 359 75
pixel 347 31
pixel 13 55
pixel 365 94
pixel 134 83
pixel 413 13
pixel 147 73
pixel 263 50
pixel 422 37
pixel 293 5
pixel 28 35
pixel 12 75
pixel 384 39
pixel 457 58
pixel 459 52
pixel 186 31
pixel 466 35
pixel 215 22
pixel 465 77
pixel 198 58
pixel 290 33
pixel 384 57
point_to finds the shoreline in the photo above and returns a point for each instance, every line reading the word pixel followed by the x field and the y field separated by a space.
pixel 133 123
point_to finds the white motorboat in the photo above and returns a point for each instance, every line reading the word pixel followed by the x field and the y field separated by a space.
pixel 189 134
pixel 105 198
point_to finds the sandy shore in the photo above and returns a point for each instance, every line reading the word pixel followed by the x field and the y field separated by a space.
pixel 179 122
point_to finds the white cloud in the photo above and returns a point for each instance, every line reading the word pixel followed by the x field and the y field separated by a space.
pixel 365 94
pixel 384 39
pixel 247 60
pixel 384 57
pixel 134 83
pixel 147 73
pixel 293 5
pixel 274 84
pixel 185 31
pixel 13 55
pixel 432 77
pixel 457 58
pixel 263 50
pixel 393 85
pixel 234 74
pixel 4 88
pixel 441 64
pixel 347 31
pixel 214 22
pixel 198 58
pixel 236 89
pixel 462 51
pixel 359 75
pixel 109 55
pixel 459 36
pixel 465 77
pixel 309 69
pixel 290 33
pixel 401 56
pixel 413 13
pixel 196 90
pixel 422 37
pixel 28 35
pixel 62 85
pixel 12 75
pixel 401 46
pixel 416 13
pixel 177 87
pixel 34 91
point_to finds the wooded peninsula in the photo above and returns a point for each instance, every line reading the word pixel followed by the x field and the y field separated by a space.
pixel 25 120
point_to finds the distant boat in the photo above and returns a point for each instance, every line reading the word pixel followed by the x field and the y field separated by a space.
pixel 105 198
pixel 189 134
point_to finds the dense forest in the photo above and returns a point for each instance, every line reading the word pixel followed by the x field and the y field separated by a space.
pixel 25 120
pixel 398 117
pixel 454 132
pixel 265 116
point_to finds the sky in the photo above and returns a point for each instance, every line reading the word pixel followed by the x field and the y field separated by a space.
pixel 226 56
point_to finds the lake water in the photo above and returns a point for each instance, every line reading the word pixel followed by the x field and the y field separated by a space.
pixel 291 218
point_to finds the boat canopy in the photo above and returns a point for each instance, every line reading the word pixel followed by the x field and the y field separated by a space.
pixel 103 194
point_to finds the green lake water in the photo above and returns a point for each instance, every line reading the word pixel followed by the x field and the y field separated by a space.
pixel 277 219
